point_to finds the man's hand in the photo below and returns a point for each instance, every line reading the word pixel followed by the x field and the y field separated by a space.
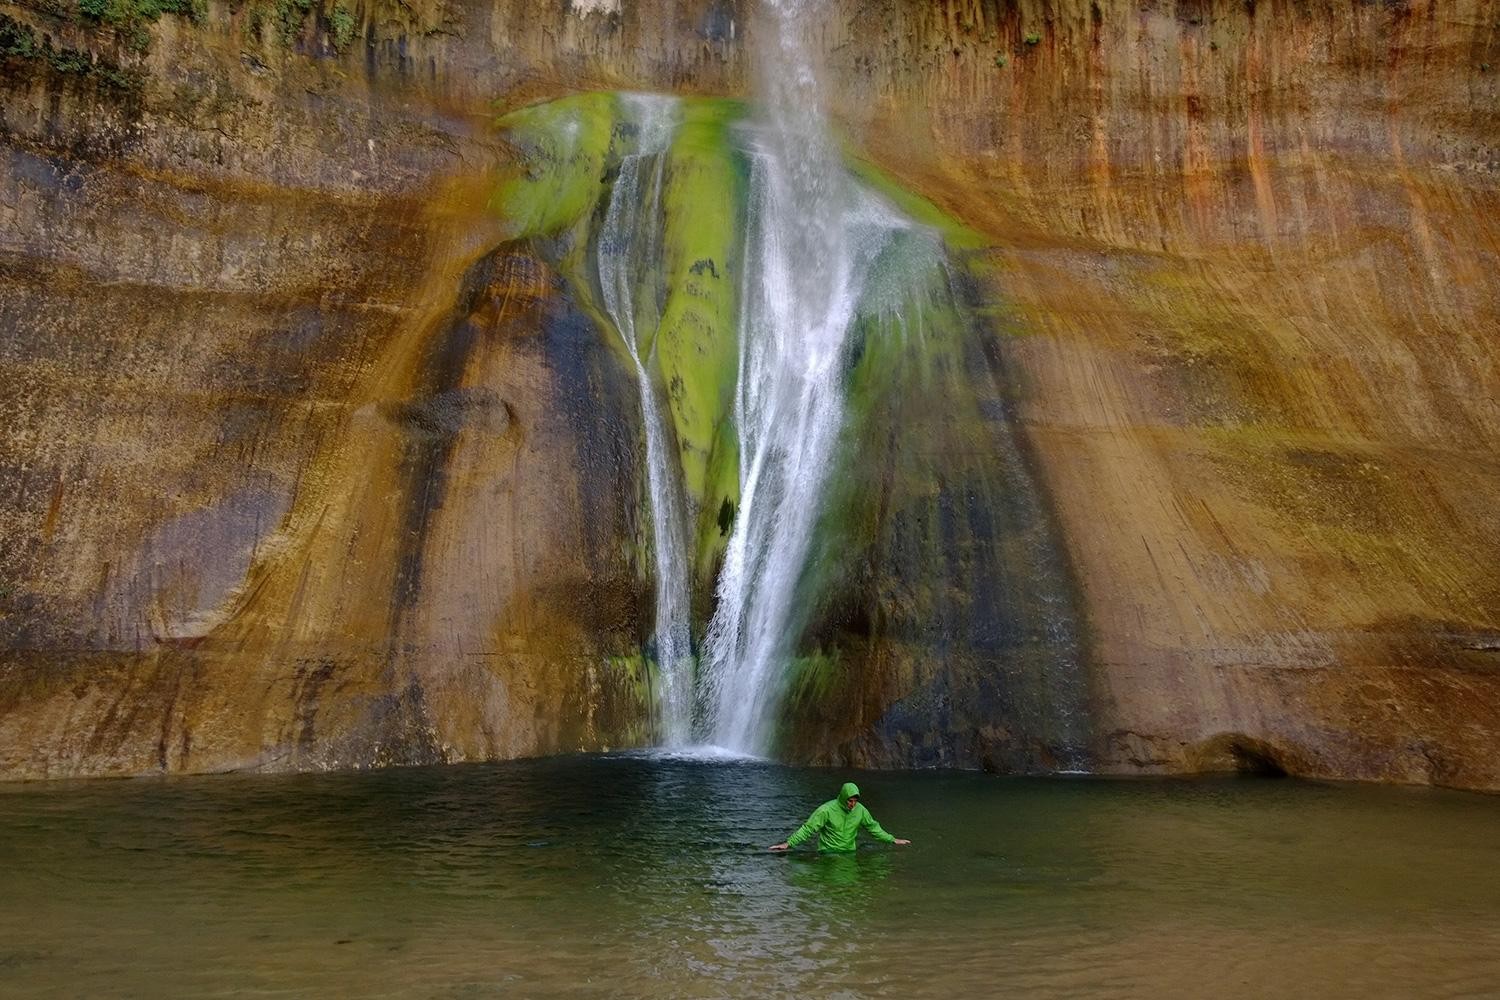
pixel 898 842
pixel 779 847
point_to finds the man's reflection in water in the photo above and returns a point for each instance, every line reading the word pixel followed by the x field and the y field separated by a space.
pixel 860 871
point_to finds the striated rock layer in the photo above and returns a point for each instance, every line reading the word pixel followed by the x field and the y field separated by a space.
pixel 309 462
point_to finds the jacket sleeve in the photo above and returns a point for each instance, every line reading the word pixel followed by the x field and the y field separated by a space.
pixel 814 823
pixel 868 822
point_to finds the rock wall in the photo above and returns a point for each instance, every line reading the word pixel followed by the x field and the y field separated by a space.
pixel 306 465
pixel 1249 256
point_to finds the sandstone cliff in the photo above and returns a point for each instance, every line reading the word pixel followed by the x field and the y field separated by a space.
pixel 309 461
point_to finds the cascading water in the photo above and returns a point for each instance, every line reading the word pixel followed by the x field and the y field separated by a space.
pixel 694 195
pixel 811 240
pixel 628 252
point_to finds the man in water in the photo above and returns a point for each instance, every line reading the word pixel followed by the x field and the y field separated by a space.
pixel 837 823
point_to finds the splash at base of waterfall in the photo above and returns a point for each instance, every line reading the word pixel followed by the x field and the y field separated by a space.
pixel 699 752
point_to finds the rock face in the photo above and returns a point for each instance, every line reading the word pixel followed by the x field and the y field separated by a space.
pixel 310 461
pixel 1250 253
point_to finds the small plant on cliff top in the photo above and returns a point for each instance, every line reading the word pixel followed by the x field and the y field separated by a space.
pixel 340 27
pixel 71 61
pixel 131 17
pixel 16 39
pixel 289 17
pixel 1000 61
pixel 1032 38
pixel 255 22
pixel 19 41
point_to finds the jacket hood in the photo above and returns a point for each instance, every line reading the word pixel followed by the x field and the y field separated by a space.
pixel 849 791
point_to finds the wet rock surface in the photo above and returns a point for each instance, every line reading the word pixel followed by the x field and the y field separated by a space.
pixel 305 465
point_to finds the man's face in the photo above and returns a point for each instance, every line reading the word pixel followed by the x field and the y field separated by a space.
pixel 852 800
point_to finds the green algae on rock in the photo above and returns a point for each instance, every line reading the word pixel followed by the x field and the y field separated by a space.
pixel 698 341
pixel 566 153
pixel 563 147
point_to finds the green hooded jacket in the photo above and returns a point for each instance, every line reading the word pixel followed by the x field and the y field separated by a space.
pixel 836 825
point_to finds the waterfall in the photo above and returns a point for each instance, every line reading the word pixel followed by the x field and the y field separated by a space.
pixel 629 252
pixel 779 314
pixel 803 262
pixel 811 238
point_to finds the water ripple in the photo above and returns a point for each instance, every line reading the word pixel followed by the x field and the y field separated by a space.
pixel 646 875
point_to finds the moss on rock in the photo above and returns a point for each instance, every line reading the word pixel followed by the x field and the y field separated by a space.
pixel 697 344
pixel 562 150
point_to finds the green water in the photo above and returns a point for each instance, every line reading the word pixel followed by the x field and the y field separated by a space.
pixel 640 876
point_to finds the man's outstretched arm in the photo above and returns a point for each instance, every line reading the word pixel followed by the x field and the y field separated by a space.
pixel 811 827
pixel 869 822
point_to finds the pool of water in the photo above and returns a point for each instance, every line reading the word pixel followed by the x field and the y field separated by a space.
pixel 634 875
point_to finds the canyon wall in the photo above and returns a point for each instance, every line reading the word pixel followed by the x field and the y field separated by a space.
pixel 1248 256
pixel 308 461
